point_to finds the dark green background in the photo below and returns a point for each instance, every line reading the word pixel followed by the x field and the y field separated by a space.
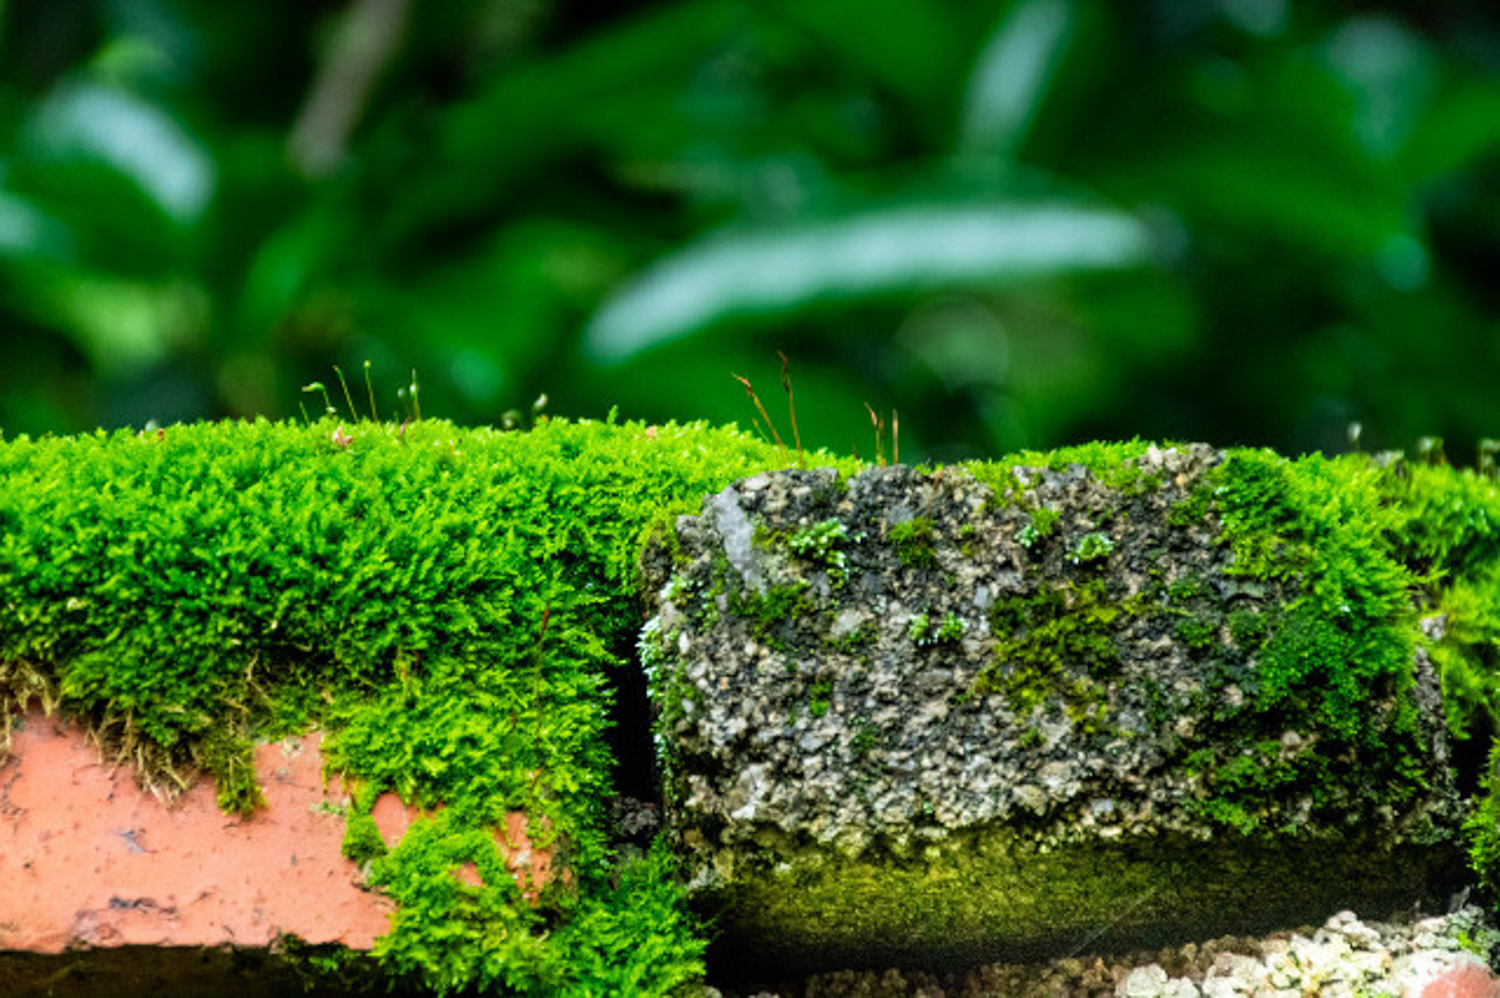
pixel 1020 224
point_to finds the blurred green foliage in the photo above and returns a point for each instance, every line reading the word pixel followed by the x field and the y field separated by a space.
pixel 1019 223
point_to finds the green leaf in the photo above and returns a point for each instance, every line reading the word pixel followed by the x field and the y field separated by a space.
pixel 1013 74
pixel 883 250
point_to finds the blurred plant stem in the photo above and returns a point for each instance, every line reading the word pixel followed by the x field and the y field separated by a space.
pixel 363 46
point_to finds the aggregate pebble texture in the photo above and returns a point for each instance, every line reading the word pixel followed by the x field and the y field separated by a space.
pixel 858 765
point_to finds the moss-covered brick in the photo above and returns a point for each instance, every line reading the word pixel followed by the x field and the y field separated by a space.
pixel 444 602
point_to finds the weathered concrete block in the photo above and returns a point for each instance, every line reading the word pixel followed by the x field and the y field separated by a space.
pixel 925 716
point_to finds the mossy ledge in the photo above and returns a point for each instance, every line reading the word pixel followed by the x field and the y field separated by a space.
pixel 1167 659
pixel 447 604
pixel 451 605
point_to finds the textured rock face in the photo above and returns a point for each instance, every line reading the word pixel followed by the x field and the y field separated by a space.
pixel 903 713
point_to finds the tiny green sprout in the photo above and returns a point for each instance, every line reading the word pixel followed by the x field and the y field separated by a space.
pixel 820 543
pixel 1488 450
pixel 353 413
pixel 1091 547
pixel 914 543
pixel 370 388
pixel 317 386
pixel 1043 523
pixel 920 630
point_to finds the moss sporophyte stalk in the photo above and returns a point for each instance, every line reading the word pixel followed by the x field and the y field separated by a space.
pixel 448 605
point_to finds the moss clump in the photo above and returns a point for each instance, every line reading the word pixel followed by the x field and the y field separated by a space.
pixel 1197 634
pixel 921 630
pixel 822 543
pixel 1248 628
pixel 1114 464
pixel 1447 529
pixel 444 602
pixel 1192 509
pixel 1041 526
pixel 1057 641
pixel 1346 636
pixel 362 841
pixel 991 890
pixel 1449 532
pixel 914 542
pixel 820 694
pixel 1091 547
pixel 774 610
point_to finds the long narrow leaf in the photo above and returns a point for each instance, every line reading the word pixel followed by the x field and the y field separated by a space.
pixel 878 252
pixel 1013 74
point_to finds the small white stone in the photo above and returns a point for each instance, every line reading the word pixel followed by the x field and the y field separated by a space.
pixel 1149 981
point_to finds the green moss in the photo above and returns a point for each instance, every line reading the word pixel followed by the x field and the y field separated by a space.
pixel 443 602
pixel 821 544
pixel 1188 588
pixel 1198 635
pixel 1242 786
pixel 921 630
pixel 772 611
pixel 1042 525
pixel 362 840
pixel 914 542
pixel 1483 826
pixel 966 535
pixel 1111 463
pixel 856 640
pixel 819 694
pixel 1318 526
pixel 1192 509
pixel 961 898
pixel 1248 629
pixel 1044 638
pixel 1324 539
pixel 1090 548
pixel 950 630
